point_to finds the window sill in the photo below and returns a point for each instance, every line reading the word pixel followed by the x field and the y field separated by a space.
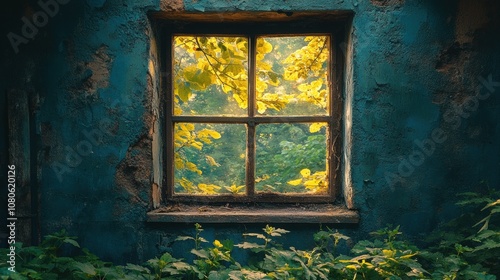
pixel 311 214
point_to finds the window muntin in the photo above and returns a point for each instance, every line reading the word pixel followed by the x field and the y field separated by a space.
pixel 284 105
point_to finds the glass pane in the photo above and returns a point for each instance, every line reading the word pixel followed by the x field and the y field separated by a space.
pixel 210 75
pixel 292 75
pixel 209 159
pixel 291 158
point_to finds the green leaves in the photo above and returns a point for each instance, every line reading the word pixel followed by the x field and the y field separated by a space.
pixel 71 241
pixel 197 78
pixel 388 256
pixel 249 245
pixel 86 268
pixel 495 209
pixel 200 253
pixel 183 91
pixel 272 231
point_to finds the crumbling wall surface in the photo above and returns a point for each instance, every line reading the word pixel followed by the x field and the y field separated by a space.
pixel 424 86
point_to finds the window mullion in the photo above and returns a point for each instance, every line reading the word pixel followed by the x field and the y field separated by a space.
pixel 330 155
pixel 250 172
pixel 168 67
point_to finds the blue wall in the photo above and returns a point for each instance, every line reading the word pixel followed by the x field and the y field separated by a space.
pixel 425 119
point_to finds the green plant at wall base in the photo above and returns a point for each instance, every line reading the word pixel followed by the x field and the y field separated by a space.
pixel 473 244
pixel 386 256
pixel 45 261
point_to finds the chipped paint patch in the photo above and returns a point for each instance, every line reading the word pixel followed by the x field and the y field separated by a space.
pixel 134 172
pixel 171 5
pixel 99 68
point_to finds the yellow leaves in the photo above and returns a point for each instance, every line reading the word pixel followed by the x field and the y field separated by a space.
pixel 185 42
pixel 187 185
pixel 218 244
pixel 305 172
pixel 295 182
pixel 388 253
pixel 192 167
pixel 183 91
pixel 274 78
pixel 211 161
pixel 263 66
pixel 208 133
pixel 274 101
pixel 262 178
pixel 314 92
pixel 311 184
pixel 204 61
pixel 409 256
pixel 197 78
pixel 315 85
pixel 196 144
pixel 357 264
pixel 316 183
pixel 177 111
pixel 181 163
pixel 241 100
pixel 185 136
pixel 260 86
pixel 178 162
pixel 201 189
pixel 242 46
pixel 234 69
pixel 291 73
pixel 186 126
pixel 201 62
pixel 205 135
pixel 263 46
pixel 204 189
pixel 308 61
pixel 234 189
pixel 226 88
pixel 208 188
pixel 181 136
pixel 315 127
pixel 261 107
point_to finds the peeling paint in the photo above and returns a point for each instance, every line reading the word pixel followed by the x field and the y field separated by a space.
pixel 171 5
pixel 134 171
pixel 99 67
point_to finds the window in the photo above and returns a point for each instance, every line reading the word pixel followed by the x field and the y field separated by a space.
pixel 252 113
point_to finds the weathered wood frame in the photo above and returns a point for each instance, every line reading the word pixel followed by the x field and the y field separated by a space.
pixel 249 29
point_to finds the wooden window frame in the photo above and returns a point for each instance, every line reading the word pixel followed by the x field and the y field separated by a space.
pixel 308 26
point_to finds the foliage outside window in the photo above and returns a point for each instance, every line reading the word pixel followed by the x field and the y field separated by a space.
pixel 251 116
